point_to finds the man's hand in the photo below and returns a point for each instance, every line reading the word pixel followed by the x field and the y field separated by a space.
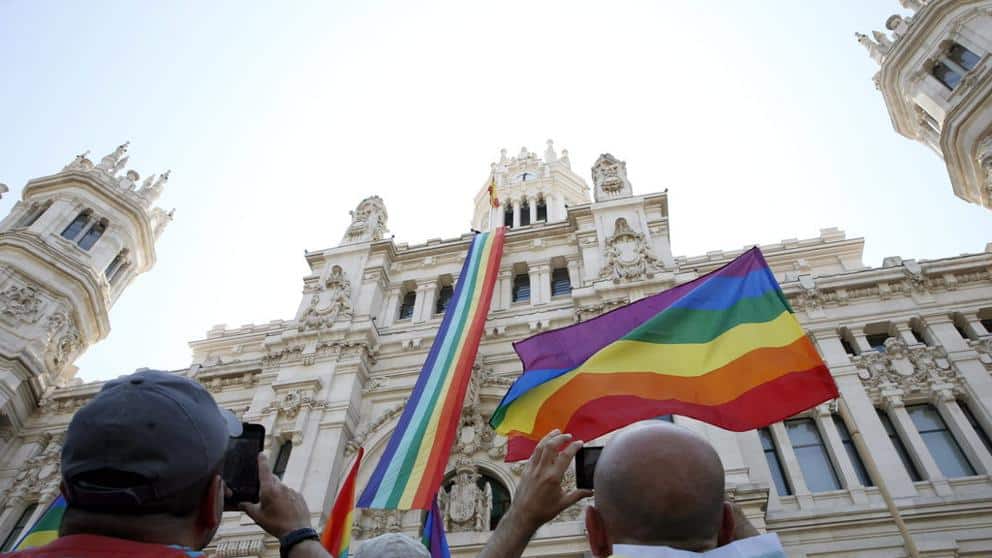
pixel 280 509
pixel 539 498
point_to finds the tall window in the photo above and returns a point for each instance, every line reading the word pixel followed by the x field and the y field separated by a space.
pixel 33 214
pixel 939 440
pixel 15 532
pixel 814 460
pixel 406 307
pixel 982 434
pixel 945 75
pixel 443 298
pixel 774 462
pixel 962 57
pixel 121 270
pixel 92 235
pixel 918 334
pixel 114 264
pixel 848 347
pixel 77 225
pixel 521 287
pixel 542 210
pixel 508 216
pixel 282 459
pixel 852 452
pixel 524 213
pixel 560 283
pixel 907 462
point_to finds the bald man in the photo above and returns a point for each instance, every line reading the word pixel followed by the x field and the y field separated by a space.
pixel 659 491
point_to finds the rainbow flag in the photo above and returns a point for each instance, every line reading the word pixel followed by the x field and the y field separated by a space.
pixel 46 529
pixel 410 471
pixel 336 537
pixel 724 348
pixel 433 537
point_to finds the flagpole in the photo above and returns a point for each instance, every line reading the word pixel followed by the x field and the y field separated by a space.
pixel 876 475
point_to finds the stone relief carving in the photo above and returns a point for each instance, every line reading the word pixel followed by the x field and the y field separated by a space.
pixel 372 523
pixel 21 302
pixel 290 404
pixel 592 310
pixel 40 475
pixel 115 161
pixel 574 511
pixel 913 369
pixel 368 221
pixel 331 302
pixel 365 431
pixel 466 506
pixel 984 158
pixel 609 175
pixel 984 349
pixel 628 255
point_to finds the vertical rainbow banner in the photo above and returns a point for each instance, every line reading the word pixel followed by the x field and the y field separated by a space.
pixel 410 471
pixel 336 537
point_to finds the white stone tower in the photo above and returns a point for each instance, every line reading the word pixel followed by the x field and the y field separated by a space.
pixel 529 189
pixel 936 79
pixel 68 249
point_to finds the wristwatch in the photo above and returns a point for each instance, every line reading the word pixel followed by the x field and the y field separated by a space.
pixel 293 538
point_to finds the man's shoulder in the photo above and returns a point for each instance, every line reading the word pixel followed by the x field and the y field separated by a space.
pixel 95 546
pixel 762 546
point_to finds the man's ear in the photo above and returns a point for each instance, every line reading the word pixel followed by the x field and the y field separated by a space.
pixel 599 539
pixel 726 534
pixel 211 509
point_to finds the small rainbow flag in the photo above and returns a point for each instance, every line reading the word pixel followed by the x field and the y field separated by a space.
pixel 336 537
pixel 433 536
pixel 724 348
pixel 46 529
pixel 410 471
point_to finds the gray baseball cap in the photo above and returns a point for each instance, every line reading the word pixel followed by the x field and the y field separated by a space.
pixel 151 433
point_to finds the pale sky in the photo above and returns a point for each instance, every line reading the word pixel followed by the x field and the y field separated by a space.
pixel 277 118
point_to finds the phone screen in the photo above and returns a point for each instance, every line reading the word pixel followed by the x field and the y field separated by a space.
pixel 585 465
pixel 241 466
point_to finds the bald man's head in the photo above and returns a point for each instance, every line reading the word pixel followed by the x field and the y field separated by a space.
pixel 660 484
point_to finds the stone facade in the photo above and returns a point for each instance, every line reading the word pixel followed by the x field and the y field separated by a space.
pixel 336 376
pixel 936 78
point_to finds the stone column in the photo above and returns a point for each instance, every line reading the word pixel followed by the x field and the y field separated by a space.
pixel 559 211
pixel 971 444
pixel 914 443
pixel 838 454
pixel 505 289
pixel 516 213
pixel 540 284
pixel 573 274
pixel 944 333
pixel 532 206
pixel 861 341
pixel 975 325
pixel 429 294
pixel 390 308
pixel 906 334
pixel 790 465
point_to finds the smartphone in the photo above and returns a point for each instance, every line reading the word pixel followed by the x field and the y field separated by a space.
pixel 585 465
pixel 241 466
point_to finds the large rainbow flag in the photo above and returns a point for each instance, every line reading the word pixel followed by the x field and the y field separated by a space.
pixel 724 348
pixel 410 471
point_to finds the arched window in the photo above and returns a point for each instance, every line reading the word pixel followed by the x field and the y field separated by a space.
pixel 962 57
pixel 115 263
pixel 406 307
pixel 443 298
pixel 33 214
pixel 15 532
pixel 521 287
pixel 77 225
pixel 524 213
pixel 501 496
pixel 92 235
pixel 508 216
pixel 120 271
pixel 560 283
pixel 282 459
pixel 542 209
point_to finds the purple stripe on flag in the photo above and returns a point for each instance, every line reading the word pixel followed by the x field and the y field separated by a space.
pixel 570 346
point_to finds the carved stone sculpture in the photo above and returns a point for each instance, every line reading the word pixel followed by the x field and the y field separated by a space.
pixel 912 369
pixel 21 302
pixel 331 302
pixel 152 188
pixel 628 255
pixel 368 221
pixel 115 161
pixel 609 175
pixel 467 507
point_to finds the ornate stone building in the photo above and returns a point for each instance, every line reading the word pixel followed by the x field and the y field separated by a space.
pixel 908 342
pixel 936 78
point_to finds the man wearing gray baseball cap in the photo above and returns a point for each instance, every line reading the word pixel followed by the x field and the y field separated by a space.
pixel 141 474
